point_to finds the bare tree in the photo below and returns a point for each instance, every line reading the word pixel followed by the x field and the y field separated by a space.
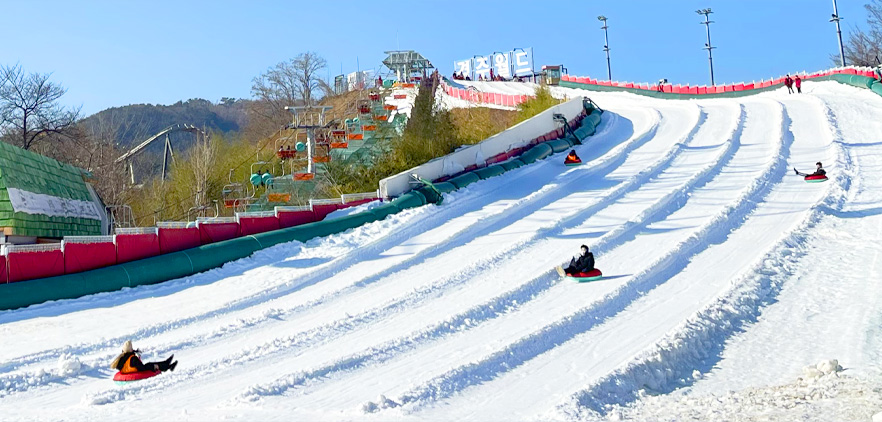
pixel 203 158
pixel 864 48
pixel 29 108
pixel 288 83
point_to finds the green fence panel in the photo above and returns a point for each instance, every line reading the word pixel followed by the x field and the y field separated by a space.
pixel 877 88
pixel 464 179
pixel 490 171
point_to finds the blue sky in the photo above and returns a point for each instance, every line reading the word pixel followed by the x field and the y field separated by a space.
pixel 114 53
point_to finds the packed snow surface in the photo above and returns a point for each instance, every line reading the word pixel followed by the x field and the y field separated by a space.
pixel 732 290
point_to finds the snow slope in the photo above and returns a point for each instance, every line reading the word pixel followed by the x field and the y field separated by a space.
pixel 454 311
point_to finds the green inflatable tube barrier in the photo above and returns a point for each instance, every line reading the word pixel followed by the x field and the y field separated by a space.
pixel 490 171
pixel 559 145
pixel 445 187
pixel 511 164
pixel 464 179
pixel 412 199
pixel 536 153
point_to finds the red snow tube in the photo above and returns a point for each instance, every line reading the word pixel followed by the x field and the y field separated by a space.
pixel 592 275
pixel 816 178
pixel 570 163
pixel 135 376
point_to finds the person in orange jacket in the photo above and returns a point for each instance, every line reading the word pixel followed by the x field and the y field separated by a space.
pixel 129 361
pixel 572 157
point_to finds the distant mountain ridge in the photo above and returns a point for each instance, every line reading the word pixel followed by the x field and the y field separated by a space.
pixel 131 124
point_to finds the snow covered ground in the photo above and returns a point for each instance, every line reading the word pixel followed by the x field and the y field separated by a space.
pixel 724 276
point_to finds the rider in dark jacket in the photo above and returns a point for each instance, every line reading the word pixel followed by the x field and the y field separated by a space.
pixel 818 172
pixel 583 264
pixel 129 362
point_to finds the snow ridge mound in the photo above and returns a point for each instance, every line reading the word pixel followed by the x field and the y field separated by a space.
pixel 823 393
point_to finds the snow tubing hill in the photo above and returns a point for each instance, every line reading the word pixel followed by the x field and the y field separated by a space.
pixel 592 275
pixel 170 266
pixel 135 376
pixel 816 178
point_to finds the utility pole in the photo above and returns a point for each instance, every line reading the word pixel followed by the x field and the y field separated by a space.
pixel 606 44
pixel 836 19
pixel 708 46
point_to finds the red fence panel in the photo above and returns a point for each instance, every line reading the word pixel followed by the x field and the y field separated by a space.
pixel 257 222
pixel 217 229
pixel 294 216
pixel 83 253
pixel 322 207
pixel 27 262
pixel 136 243
pixel 176 236
pixel 498 158
pixel 3 276
pixel 358 202
pixel 322 211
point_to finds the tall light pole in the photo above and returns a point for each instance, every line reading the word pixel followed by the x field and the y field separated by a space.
pixel 606 44
pixel 836 19
pixel 708 47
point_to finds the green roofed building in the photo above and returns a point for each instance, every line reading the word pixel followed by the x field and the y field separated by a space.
pixel 45 198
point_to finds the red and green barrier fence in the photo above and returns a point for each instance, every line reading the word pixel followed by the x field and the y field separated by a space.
pixel 861 77
pixel 24 264
pixel 177 252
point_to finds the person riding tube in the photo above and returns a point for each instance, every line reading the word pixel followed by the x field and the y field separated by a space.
pixel 129 362
pixel 572 158
pixel 820 175
pixel 581 264
pixel 819 171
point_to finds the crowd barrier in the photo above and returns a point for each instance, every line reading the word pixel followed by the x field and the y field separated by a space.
pixel 862 77
pixel 77 254
pixel 217 229
pixel 257 222
pixel 136 243
pixel 479 97
pixel 83 253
